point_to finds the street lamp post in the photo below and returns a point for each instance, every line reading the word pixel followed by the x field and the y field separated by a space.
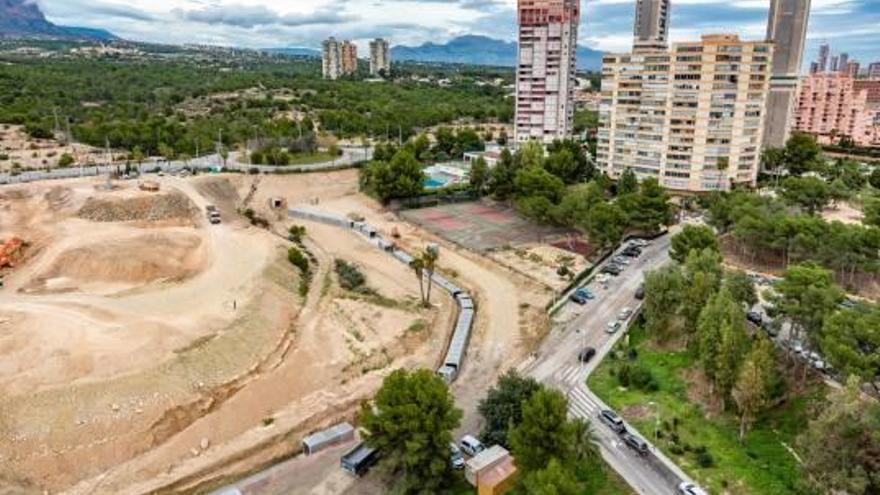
pixel 656 408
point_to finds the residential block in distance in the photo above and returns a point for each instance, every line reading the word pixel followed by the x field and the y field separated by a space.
pixel 331 58
pixel 692 117
pixel 832 105
pixel 349 57
pixel 380 57
pixel 546 69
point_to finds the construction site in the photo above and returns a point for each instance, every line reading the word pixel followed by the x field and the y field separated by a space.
pixel 147 347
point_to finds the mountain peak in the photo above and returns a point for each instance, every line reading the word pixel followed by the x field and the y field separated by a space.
pixel 23 18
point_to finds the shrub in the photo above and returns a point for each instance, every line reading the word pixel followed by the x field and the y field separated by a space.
pixel 296 233
pixel 705 459
pixel 637 376
pixel 4 157
pixel 675 449
pixel 298 259
pixel 350 276
pixel 65 160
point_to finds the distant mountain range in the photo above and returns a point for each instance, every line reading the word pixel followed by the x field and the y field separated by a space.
pixel 470 50
pixel 23 18
pixel 482 50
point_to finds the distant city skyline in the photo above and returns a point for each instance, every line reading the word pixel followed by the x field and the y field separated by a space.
pixel 851 26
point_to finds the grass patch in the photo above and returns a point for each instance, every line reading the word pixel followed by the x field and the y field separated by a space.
pixel 759 465
pixel 417 326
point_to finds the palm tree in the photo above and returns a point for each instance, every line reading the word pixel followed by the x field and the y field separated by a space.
pixel 418 266
pixel 429 260
pixel 585 441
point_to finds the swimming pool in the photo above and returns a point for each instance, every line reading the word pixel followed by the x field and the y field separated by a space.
pixel 435 182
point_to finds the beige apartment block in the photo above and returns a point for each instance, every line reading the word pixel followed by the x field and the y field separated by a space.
pixel 692 117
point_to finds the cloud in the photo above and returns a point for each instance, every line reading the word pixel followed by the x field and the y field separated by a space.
pixel 249 16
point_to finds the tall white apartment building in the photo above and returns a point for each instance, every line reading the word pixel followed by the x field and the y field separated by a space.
pixel 380 57
pixel 331 58
pixel 651 27
pixel 546 69
pixel 692 117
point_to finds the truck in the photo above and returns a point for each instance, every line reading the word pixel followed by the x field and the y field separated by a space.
pixel 213 214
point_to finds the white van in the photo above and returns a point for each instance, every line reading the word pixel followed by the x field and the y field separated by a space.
pixel 470 445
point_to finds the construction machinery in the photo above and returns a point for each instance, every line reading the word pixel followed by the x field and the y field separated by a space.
pixel 10 252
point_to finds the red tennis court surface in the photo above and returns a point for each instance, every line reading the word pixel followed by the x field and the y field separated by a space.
pixel 481 226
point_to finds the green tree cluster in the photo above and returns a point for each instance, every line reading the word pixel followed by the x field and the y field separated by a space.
pixel 401 177
pixel 410 423
pixel 765 230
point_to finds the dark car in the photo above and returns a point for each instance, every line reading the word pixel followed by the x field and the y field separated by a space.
pixel 612 269
pixel 613 421
pixel 770 329
pixel 636 443
pixel 640 292
pixel 631 252
pixel 585 355
pixel 755 317
pixel 577 298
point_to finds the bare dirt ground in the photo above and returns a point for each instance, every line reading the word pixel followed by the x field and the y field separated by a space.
pixel 37 154
pixel 541 262
pixel 844 213
pixel 142 354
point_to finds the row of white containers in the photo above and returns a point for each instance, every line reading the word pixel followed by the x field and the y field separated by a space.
pixel 466 310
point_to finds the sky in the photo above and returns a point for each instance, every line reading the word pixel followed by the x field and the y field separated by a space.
pixel 851 26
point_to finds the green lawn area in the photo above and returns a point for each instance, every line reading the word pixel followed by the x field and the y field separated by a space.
pixel 760 465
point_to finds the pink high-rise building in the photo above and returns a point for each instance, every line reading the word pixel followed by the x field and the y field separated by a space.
pixel 546 69
pixel 830 107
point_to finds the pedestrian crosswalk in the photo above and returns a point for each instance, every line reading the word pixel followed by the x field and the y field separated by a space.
pixel 572 374
pixel 580 405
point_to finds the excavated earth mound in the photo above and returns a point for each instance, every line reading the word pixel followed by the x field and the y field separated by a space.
pixel 133 261
pixel 174 205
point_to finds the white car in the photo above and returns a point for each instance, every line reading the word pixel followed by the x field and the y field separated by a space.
pixel 624 314
pixel 639 242
pixel 612 326
pixel 687 488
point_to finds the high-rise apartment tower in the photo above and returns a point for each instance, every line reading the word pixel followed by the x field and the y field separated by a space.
pixel 824 51
pixel 349 56
pixel 691 117
pixel 380 57
pixel 651 27
pixel 787 29
pixel 331 58
pixel 546 69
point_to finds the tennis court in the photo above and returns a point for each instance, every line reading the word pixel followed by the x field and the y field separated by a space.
pixel 481 225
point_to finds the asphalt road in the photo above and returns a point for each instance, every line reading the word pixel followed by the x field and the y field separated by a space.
pixel 350 156
pixel 557 365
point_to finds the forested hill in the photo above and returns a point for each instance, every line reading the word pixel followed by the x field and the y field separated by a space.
pixel 22 18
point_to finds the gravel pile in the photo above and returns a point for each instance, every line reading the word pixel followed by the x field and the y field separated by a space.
pixel 152 208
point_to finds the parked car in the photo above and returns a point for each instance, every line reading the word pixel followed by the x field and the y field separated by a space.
pixel 455 457
pixel 632 252
pixel 770 329
pixel 620 260
pixel 612 326
pixel 612 420
pixel 755 317
pixel 640 292
pixel 624 314
pixel 585 293
pixel 687 488
pixel 586 355
pixel 636 443
pixel 612 270
pixel 577 299
pixel 640 242
pixel 471 446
